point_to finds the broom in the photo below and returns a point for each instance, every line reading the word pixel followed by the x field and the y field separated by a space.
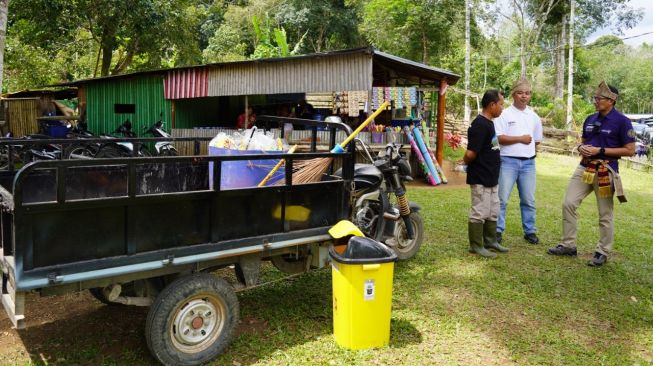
pixel 309 171
pixel 276 167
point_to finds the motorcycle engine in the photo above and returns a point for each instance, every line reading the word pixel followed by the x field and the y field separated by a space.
pixel 366 218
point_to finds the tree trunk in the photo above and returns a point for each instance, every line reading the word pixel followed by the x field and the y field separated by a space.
pixel 559 85
pixel 108 42
pixel 424 48
pixel 570 77
pixel 4 6
pixel 467 116
pixel 123 63
pixel 107 53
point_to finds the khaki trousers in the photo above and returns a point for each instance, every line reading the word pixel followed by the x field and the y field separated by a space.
pixel 485 204
pixel 576 192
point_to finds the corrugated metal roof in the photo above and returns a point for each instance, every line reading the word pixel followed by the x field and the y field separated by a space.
pixel 354 69
pixel 341 72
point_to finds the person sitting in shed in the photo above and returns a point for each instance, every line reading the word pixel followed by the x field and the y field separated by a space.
pixel 247 119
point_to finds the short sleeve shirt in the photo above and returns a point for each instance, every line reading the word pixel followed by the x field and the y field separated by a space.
pixel 611 130
pixel 515 122
pixel 482 140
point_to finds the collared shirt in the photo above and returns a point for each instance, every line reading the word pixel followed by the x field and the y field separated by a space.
pixel 515 122
pixel 611 130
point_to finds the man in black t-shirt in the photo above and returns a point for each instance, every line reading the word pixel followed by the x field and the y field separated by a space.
pixel 483 164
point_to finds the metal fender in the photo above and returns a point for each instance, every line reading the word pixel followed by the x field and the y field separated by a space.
pixel 414 207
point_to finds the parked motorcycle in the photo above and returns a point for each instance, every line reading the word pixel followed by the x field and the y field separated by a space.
pixel 116 149
pixel 33 152
pixel 161 148
pixel 381 209
pixel 81 150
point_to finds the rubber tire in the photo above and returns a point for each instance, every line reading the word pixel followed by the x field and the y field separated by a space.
pixel 158 326
pixel 86 151
pixel 110 152
pixel 418 229
pixel 168 152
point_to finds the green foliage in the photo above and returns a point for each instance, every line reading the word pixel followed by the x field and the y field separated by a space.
pixel 421 30
pixel 61 40
pixel 555 112
pixel 225 45
pixel 453 154
pixel 319 25
pixel 271 42
pixel 147 30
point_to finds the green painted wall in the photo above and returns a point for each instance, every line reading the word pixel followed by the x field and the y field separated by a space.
pixel 146 93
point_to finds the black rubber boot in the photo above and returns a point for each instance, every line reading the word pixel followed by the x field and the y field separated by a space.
pixel 476 240
pixel 490 238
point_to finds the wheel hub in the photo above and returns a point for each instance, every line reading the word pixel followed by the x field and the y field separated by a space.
pixel 195 323
pixel 403 241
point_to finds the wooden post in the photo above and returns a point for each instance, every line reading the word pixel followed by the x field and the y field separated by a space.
pixel 442 100
pixel 172 114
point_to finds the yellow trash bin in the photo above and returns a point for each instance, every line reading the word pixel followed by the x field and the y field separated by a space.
pixel 362 293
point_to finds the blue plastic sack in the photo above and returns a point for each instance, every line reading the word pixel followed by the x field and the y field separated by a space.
pixel 244 173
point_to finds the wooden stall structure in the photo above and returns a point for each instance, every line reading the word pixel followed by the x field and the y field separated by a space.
pixel 213 95
pixel 22 110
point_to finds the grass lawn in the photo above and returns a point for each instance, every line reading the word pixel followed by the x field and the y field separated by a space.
pixel 449 307
pixel 453 308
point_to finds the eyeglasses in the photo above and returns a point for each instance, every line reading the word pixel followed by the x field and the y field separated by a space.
pixel 599 98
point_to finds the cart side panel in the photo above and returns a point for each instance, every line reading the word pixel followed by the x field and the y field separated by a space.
pixel 60 237
pixel 168 225
pixel 249 212
pixel 320 204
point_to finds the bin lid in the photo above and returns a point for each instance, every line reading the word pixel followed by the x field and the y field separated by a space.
pixel 361 250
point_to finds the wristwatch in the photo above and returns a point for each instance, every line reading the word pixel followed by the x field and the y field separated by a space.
pixel 602 151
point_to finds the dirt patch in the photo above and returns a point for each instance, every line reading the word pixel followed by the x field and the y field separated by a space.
pixel 454 179
pixel 107 332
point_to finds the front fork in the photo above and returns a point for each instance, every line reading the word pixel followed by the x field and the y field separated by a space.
pixel 402 200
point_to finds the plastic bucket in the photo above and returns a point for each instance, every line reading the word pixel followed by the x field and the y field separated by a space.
pixel 244 173
pixel 57 131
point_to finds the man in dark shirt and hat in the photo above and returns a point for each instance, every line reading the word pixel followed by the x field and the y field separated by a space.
pixel 607 136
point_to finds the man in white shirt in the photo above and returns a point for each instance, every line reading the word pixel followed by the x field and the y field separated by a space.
pixel 519 130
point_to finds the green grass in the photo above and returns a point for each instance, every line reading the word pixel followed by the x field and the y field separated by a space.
pixel 453 308
pixel 449 307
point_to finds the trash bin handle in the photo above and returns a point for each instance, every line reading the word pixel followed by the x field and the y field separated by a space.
pixel 371 267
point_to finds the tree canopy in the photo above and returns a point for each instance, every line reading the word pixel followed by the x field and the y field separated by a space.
pixel 61 40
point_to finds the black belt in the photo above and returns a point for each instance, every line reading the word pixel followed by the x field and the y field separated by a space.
pixel 520 157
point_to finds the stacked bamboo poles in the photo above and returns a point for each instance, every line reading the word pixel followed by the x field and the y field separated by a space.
pixel 310 171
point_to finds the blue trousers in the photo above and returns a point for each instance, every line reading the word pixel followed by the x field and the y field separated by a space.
pixel 521 172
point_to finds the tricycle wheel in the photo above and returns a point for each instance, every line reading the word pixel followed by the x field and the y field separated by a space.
pixel 405 247
pixel 192 320
pixel 290 263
